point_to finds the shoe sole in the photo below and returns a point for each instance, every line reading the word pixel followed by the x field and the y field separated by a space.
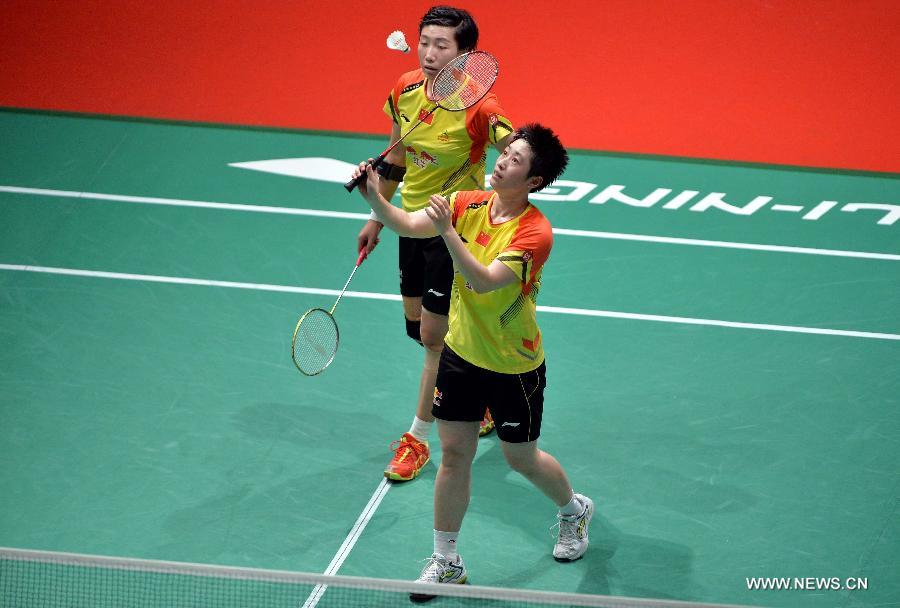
pixel 418 598
pixel 566 560
pixel 398 477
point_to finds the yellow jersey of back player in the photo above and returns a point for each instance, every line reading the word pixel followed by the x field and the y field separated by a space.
pixel 449 150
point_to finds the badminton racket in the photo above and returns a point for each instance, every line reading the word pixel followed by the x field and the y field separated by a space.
pixel 458 86
pixel 316 336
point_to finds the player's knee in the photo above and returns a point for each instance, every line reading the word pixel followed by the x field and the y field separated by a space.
pixel 456 455
pixel 414 330
pixel 522 463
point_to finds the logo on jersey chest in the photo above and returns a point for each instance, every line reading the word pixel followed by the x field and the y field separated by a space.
pixel 421 158
pixel 483 239
pixel 426 116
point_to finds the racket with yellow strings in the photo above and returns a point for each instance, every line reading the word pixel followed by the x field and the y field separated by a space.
pixel 316 336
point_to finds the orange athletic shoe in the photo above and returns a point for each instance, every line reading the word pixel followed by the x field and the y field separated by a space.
pixel 410 457
pixel 487 425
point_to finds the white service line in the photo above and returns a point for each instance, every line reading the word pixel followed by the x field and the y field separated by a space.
pixel 585 312
pixel 728 245
pixel 124 276
pixel 176 202
pixel 362 216
pixel 345 548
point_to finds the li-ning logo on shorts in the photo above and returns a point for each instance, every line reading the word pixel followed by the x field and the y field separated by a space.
pixel 438 395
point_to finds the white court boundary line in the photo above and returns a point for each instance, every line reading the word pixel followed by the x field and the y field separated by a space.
pixel 345 548
pixel 174 202
pixel 585 312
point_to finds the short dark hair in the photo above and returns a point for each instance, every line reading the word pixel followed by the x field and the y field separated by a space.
pixel 448 16
pixel 548 156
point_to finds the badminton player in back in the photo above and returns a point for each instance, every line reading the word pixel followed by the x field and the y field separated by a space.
pixel 444 154
pixel 494 353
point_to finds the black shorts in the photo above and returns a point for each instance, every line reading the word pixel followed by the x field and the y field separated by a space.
pixel 426 271
pixel 463 391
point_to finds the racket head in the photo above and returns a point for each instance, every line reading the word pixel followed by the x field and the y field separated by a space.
pixel 315 341
pixel 464 81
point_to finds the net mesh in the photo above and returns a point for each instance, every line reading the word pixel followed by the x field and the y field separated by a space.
pixel 465 80
pixel 315 341
pixel 31 579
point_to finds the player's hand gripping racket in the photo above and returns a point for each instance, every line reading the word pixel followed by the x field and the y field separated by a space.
pixel 316 336
pixel 459 85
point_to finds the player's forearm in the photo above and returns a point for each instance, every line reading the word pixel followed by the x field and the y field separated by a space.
pixel 396 161
pixel 416 225
pixel 386 188
pixel 394 218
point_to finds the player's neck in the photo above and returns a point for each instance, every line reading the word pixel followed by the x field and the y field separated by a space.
pixel 508 205
pixel 428 83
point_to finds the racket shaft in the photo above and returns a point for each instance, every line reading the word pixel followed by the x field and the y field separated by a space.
pixel 359 260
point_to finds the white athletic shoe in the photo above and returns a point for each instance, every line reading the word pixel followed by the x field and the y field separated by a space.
pixel 572 541
pixel 440 570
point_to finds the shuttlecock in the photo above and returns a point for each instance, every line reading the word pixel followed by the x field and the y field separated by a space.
pixel 397 42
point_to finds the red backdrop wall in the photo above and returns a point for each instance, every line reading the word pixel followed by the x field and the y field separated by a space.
pixel 798 82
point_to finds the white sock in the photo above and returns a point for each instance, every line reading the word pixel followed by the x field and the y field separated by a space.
pixel 573 508
pixel 420 429
pixel 445 544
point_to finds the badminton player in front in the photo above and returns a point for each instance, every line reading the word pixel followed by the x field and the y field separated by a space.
pixel 445 154
pixel 493 352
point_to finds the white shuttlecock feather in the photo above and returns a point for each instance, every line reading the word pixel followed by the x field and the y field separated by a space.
pixel 397 41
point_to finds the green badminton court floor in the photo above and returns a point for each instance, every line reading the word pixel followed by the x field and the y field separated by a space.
pixel 723 349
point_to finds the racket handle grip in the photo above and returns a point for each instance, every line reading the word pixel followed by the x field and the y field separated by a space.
pixel 353 183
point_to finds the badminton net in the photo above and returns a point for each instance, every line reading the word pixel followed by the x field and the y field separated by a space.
pixel 31 579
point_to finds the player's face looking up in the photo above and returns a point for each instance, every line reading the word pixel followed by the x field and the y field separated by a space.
pixel 512 167
pixel 437 46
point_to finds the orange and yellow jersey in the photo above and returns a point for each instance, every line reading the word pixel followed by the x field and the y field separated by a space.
pixel 448 151
pixel 498 330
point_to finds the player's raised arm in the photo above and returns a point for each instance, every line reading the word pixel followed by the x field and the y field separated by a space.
pixel 414 224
